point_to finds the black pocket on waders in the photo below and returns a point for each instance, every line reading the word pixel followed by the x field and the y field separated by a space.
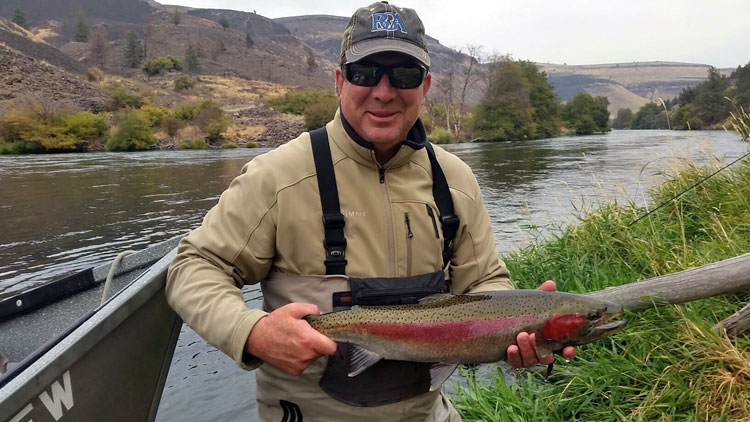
pixel 388 381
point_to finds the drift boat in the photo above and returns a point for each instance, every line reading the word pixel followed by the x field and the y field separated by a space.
pixel 70 354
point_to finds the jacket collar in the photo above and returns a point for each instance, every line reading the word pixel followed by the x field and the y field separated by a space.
pixel 363 152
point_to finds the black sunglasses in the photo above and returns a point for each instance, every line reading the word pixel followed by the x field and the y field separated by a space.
pixel 405 76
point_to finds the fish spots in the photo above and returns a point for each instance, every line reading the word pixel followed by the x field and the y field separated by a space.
pixel 442 331
pixel 562 327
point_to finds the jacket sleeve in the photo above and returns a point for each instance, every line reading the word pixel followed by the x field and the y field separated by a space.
pixel 476 265
pixel 233 246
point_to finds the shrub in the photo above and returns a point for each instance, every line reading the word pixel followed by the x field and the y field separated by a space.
pixel 320 113
pixel 94 74
pixel 134 133
pixel 161 64
pixel 12 148
pixel 183 82
pixel 440 136
pixel 172 125
pixel 121 98
pixel 215 127
pixel 25 131
pixel 197 143
pixel 251 144
pixel 84 126
pixel 154 114
pixel 206 114
pixel 295 102
pixel 228 145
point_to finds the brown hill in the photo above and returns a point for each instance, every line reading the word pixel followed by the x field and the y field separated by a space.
pixel 626 85
pixel 44 75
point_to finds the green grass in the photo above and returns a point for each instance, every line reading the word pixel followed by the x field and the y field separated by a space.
pixel 667 365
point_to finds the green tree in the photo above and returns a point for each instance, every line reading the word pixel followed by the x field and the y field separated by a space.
pixel 82 29
pixel 519 104
pixel 20 19
pixel 191 60
pixel 710 102
pixel 686 118
pixel 623 119
pixel 312 64
pixel 544 103
pixel 587 114
pixel 650 116
pixel 741 89
pixel 133 52
pixel 176 17
pixel 224 22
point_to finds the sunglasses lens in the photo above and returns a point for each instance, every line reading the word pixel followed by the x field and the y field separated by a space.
pixel 362 75
pixel 402 77
pixel 406 77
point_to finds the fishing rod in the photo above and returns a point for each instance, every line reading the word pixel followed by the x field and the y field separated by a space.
pixel 684 191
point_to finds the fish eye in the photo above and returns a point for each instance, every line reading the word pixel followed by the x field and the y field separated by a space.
pixel 594 314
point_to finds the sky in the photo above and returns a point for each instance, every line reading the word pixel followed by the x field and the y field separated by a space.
pixel 715 32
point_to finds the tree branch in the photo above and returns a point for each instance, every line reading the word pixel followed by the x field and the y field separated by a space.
pixel 719 278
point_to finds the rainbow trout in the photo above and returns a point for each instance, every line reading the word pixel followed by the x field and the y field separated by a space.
pixel 471 328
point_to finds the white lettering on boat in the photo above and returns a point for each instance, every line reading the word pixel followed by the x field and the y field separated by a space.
pixel 22 414
pixel 61 394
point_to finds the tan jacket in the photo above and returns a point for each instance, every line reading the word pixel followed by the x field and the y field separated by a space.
pixel 269 219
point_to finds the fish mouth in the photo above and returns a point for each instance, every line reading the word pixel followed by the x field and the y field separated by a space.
pixel 605 330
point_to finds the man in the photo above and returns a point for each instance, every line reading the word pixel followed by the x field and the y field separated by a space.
pixel 359 213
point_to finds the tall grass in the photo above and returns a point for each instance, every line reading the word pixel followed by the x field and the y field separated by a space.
pixel 667 365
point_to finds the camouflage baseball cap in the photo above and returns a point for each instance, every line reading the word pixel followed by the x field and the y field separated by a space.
pixel 384 27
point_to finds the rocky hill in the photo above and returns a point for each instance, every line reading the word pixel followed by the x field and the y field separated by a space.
pixel 247 45
pixel 34 71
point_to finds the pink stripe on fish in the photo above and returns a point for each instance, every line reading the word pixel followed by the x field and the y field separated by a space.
pixel 442 331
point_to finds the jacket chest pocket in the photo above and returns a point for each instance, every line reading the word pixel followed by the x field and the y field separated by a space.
pixel 418 238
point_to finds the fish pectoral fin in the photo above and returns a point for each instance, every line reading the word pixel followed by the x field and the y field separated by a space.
pixel 544 347
pixel 360 359
pixel 439 373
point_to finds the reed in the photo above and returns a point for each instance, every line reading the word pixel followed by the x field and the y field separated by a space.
pixel 667 364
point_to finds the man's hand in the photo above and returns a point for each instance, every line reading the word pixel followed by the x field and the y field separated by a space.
pixel 286 341
pixel 523 353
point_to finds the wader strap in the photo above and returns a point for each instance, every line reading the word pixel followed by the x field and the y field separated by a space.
pixel 333 221
pixel 442 194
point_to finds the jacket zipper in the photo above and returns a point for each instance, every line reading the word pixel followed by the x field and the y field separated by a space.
pixel 390 241
pixel 409 236
pixel 432 217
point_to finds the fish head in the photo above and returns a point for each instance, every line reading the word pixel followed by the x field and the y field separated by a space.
pixel 583 320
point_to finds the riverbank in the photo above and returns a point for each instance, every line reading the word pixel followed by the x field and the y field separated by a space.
pixel 667 364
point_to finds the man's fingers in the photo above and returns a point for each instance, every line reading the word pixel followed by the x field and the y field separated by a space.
pixel 569 352
pixel 528 354
pixel 513 357
pixel 300 310
pixel 324 345
pixel 548 286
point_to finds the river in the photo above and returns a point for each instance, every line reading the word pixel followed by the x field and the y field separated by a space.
pixel 61 213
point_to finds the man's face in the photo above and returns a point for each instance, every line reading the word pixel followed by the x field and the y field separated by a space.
pixel 381 114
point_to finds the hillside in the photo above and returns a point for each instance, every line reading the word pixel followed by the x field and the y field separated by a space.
pixel 246 45
pixel 31 71
pixel 627 85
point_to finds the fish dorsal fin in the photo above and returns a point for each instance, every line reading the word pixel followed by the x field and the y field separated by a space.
pixel 435 298
pixel 439 373
pixel 360 359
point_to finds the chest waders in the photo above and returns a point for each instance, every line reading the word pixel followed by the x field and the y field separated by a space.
pixel 388 381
